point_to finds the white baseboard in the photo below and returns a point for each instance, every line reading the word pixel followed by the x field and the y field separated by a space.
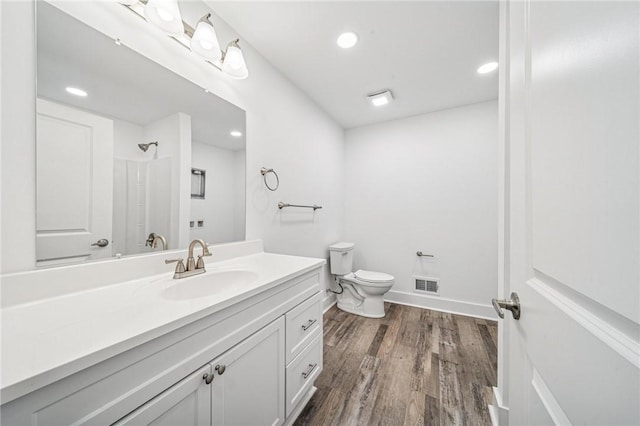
pixel 442 304
pixel 497 411
pixel 328 302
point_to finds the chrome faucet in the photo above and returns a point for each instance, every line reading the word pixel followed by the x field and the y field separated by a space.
pixel 191 264
pixel 156 238
pixel 152 241
pixel 193 267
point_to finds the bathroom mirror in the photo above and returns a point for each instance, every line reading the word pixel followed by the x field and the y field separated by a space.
pixel 117 138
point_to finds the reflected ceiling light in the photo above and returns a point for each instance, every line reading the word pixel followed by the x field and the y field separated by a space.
pixel 380 98
pixel 233 61
pixel 165 14
pixel 347 40
pixel 75 91
pixel 235 133
pixel 488 67
pixel 204 41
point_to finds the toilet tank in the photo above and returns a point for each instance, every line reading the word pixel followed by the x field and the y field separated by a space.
pixel 341 258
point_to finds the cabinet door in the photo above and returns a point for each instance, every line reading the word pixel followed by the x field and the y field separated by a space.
pixel 248 388
pixel 186 403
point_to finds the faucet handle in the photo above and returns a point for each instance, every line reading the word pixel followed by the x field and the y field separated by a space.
pixel 200 262
pixel 179 267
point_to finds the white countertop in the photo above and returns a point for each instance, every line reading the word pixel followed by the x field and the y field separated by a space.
pixel 49 339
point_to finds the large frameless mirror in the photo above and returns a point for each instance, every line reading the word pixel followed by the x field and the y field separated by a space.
pixel 117 138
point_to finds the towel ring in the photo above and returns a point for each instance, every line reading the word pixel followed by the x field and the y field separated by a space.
pixel 264 171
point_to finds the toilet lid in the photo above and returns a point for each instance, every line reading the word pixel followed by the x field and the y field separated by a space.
pixel 373 277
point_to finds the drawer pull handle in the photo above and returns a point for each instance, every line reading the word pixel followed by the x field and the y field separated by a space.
pixel 208 378
pixel 309 324
pixel 307 373
pixel 221 368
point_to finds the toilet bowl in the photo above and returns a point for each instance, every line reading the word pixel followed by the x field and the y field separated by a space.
pixel 362 292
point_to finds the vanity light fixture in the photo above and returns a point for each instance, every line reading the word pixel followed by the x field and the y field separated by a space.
pixel 235 133
pixel 77 92
pixel 202 39
pixel 165 14
pixel 380 98
pixel 488 67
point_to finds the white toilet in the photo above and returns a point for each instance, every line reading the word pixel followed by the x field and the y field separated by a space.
pixel 362 291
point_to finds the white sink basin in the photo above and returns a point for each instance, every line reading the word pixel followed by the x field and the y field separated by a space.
pixel 208 284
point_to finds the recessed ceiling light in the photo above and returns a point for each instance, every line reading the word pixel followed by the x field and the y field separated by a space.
pixel 381 98
pixel 76 91
pixel 347 40
pixel 486 68
pixel 235 133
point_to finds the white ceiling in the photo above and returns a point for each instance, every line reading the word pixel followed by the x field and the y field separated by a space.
pixel 425 52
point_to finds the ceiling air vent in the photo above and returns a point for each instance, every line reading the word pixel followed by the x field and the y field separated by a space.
pixel 427 285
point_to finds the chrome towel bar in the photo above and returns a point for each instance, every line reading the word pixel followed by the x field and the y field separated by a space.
pixel 281 205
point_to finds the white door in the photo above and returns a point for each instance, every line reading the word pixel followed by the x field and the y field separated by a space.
pixel 187 403
pixel 248 385
pixel 74 157
pixel 573 215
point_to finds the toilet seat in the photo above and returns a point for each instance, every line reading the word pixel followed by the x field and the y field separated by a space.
pixel 373 278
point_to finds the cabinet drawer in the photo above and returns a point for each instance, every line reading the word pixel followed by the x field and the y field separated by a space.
pixel 302 322
pixel 302 372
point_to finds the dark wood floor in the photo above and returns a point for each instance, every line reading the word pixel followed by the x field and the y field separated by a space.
pixel 412 367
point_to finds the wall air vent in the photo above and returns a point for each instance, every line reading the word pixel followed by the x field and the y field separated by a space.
pixel 427 285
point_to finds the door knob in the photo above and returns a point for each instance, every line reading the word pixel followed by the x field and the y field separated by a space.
pixel 102 242
pixel 220 369
pixel 512 305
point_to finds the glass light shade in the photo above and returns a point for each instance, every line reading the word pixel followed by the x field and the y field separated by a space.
pixel 165 14
pixel 233 63
pixel 205 42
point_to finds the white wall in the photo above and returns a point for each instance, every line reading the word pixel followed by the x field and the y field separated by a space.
pixel 285 131
pixel 126 137
pixel 428 183
pixel 218 208
pixel 18 109
pixel 240 180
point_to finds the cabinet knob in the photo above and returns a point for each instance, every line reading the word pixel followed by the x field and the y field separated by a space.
pixel 208 378
pixel 220 368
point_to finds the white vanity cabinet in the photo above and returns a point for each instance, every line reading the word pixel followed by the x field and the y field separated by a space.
pixel 258 349
pixel 245 387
